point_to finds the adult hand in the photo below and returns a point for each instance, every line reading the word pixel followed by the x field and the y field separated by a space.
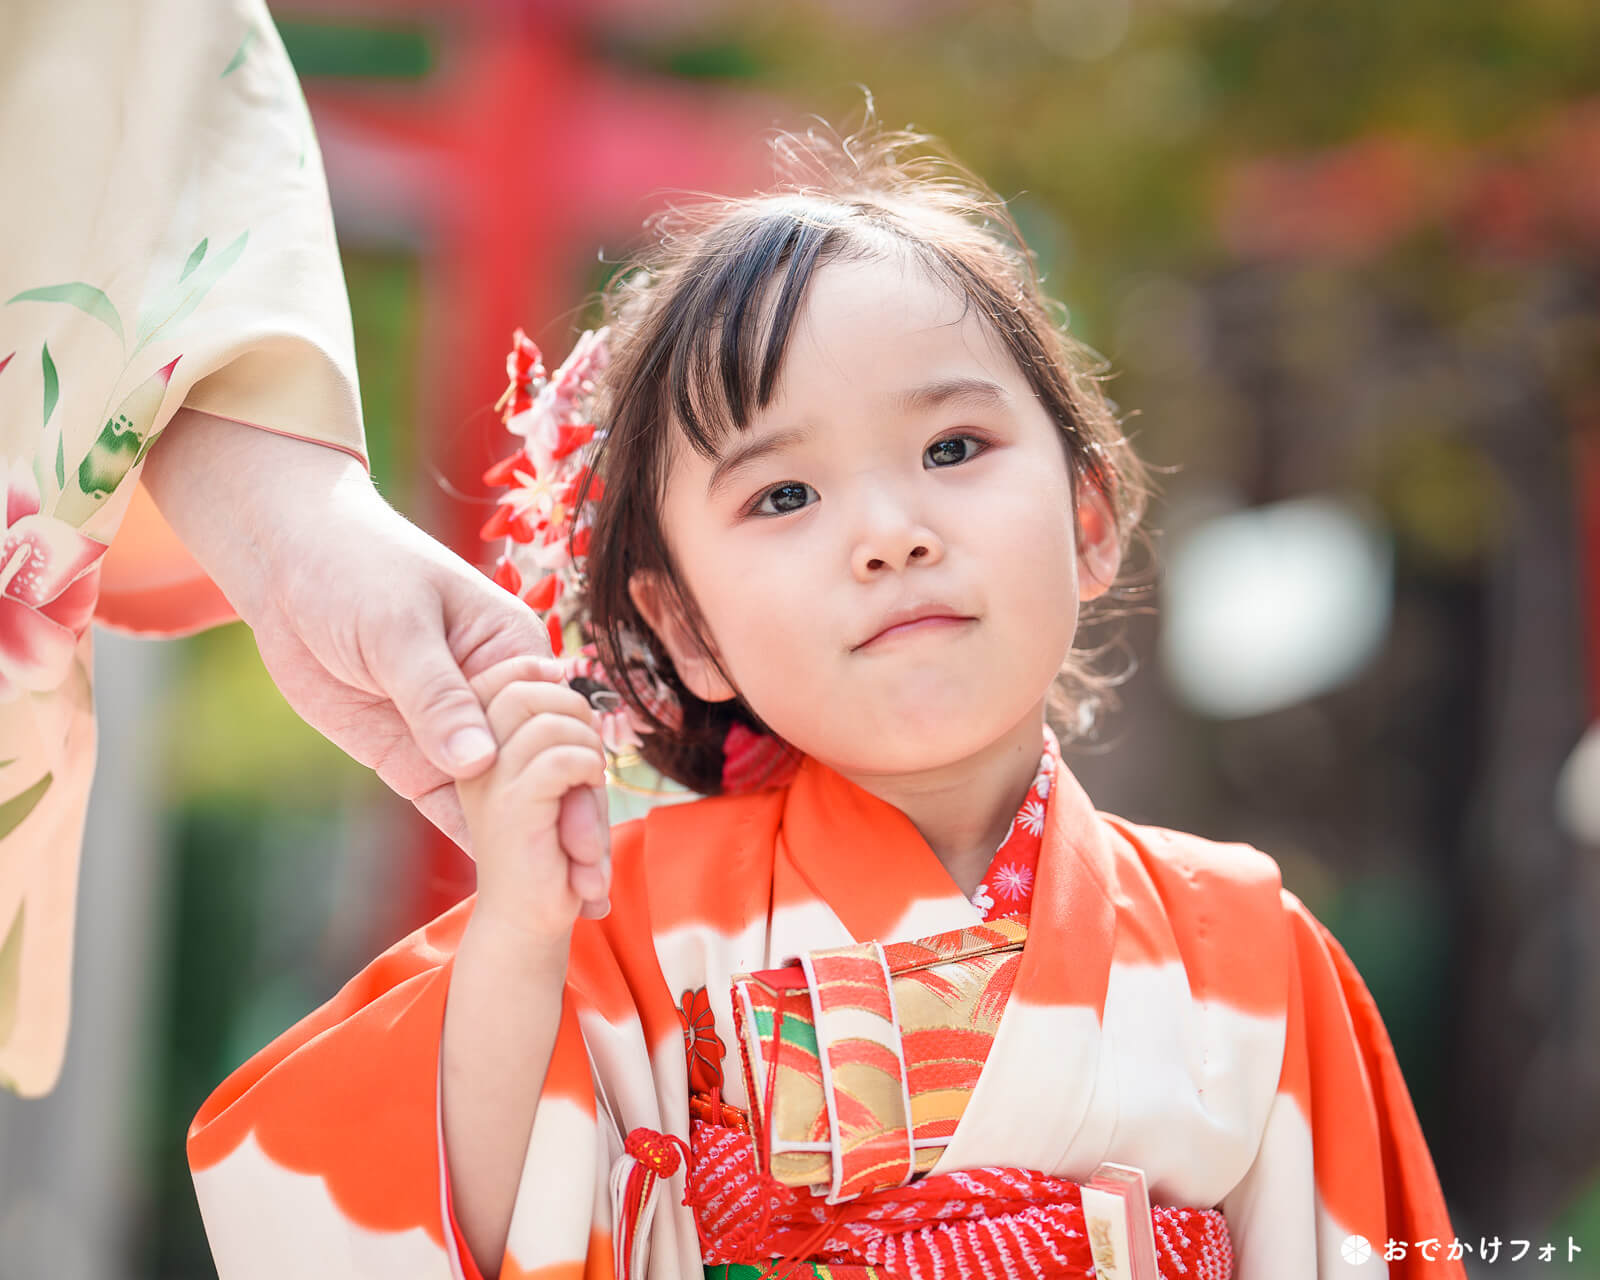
pixel 370 628
pixel 372 636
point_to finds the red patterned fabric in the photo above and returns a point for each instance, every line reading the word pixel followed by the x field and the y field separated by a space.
pixel 754 760
pixel 988 1223
pixel 1006 889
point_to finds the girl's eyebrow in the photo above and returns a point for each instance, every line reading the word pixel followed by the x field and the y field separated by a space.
pixel 978 393
pixel 751 451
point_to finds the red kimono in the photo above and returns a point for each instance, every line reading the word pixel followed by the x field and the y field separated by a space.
pixel 1173 1008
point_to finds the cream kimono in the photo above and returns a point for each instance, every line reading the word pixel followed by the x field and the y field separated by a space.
pixel 1173 1009
pixel 165 239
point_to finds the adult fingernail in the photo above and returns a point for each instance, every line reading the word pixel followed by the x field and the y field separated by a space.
pixel 468 746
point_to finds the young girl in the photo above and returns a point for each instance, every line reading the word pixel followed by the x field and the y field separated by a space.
pixel 887 1000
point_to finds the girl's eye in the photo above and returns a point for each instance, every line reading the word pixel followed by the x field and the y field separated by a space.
pixel 788 487
pixel 962 453
pixel 796 485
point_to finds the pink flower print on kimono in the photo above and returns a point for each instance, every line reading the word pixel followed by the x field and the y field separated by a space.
pixel 49 578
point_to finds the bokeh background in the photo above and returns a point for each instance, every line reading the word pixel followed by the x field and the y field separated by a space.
pixel 1343 260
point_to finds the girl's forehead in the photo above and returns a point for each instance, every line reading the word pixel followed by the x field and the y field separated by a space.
pixel 873 290
pixel 882 327
pixel 868 332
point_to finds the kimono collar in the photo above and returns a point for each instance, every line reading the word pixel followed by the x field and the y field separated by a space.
pixel 870 864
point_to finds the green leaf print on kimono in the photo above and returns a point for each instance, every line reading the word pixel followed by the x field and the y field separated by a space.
pixel 173 305
pixel 88 299
pixel 124 440
pixel 130 431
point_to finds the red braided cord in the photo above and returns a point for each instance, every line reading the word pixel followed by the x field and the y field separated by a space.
pixel 656 1151
pixel 656 1156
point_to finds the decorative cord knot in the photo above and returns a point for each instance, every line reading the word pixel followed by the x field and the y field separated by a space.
pixel 658 1152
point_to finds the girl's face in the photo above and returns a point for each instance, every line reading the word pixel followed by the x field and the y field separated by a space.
pixel 904 462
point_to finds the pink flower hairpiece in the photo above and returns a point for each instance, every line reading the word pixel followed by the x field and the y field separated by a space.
pixel 545 528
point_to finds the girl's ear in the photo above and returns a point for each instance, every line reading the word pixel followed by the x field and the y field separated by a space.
pixel 1099 555
pixel 653 599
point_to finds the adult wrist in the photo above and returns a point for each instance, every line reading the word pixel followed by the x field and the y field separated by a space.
pixel 246 501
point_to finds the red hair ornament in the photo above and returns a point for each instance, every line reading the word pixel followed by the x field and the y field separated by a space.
pixel 543 520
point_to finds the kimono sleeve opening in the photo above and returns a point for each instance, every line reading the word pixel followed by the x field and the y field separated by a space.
pixel 1342 1158
pixel 287 385
pixel 1414 1203
pixel 320 1155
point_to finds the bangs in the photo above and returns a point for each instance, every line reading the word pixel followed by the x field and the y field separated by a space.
pixel 730 326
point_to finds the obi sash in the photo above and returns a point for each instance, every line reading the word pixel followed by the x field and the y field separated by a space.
pixel 858 1063
pixel 820 1270
pixel 988 1223
pixel 859 1060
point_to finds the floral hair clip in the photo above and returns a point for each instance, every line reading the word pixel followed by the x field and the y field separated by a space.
pixel 546 531
pixel 546 541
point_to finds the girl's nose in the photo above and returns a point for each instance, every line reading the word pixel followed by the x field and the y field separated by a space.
pixel 919 552
pixel 894 540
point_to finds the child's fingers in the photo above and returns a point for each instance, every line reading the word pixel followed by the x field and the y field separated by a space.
pixel 584 833
pixel 525 666
pixel 586 840
pixel 522 700
pixel 592 884
pixel 583 825
pixel 545 731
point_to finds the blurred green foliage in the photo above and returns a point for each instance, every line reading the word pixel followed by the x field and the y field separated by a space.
pixel 1111 123
pixel 1581 1220
pixel 386 309
pixel 359 50
pixel 234 737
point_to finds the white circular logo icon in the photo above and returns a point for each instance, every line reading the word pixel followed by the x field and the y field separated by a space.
pixel 1356 1250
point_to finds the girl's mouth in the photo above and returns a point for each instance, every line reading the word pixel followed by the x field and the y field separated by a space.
pixel 920 626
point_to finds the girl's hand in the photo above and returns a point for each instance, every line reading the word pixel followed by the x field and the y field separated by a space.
pixel 534 869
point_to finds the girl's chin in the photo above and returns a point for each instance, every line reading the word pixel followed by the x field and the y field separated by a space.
pixel 908 746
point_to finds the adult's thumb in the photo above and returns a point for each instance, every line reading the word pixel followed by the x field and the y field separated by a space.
pixel 447 723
